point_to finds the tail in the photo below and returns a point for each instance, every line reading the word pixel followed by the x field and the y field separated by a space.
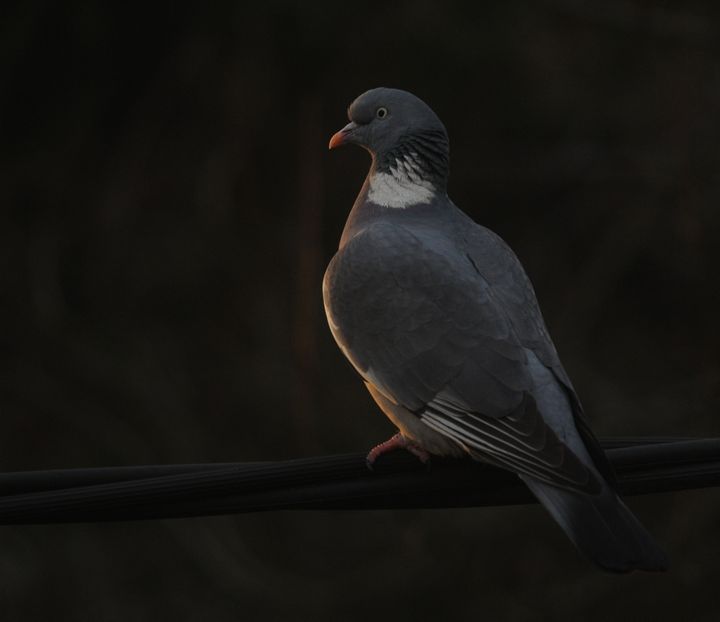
pixel 601 527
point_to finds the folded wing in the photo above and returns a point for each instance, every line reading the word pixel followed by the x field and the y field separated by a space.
pixel 417 320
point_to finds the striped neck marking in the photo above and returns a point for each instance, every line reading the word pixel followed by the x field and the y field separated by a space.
pixel 403 186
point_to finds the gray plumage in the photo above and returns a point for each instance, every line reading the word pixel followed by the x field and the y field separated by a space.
pixel 439 318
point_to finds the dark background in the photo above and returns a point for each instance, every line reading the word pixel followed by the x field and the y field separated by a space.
pixel 168 207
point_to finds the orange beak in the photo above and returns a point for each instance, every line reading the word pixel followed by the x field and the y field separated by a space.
pixel 341 137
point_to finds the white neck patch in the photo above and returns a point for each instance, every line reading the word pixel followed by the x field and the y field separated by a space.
pixel 402 187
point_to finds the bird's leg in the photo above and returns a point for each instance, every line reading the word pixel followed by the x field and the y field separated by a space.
pixel 397 442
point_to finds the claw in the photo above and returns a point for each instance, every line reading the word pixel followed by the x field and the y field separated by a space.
pixel 397 442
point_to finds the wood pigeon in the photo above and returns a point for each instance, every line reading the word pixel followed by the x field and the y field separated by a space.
pixel 437 315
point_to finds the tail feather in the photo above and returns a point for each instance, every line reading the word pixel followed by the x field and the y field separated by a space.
pixel 602 527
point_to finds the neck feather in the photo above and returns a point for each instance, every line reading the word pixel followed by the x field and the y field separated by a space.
pixel 412 173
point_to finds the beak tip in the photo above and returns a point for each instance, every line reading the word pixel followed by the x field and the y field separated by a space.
pixel 336 140
pixel 341 137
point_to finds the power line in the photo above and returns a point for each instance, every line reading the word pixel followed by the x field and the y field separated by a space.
pixel 646 465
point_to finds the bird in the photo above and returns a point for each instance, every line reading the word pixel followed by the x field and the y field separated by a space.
pixel 438 317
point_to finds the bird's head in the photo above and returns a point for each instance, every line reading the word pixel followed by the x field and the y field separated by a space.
pixel 395 125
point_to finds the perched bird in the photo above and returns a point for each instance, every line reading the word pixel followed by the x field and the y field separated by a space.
pixel 438 317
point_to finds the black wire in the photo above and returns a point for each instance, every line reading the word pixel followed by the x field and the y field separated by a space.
pixel 328 483
pixel 35 481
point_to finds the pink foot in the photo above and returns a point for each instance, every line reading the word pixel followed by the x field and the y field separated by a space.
pixel 397 442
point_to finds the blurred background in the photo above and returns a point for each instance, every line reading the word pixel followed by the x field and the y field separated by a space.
pixel 167 209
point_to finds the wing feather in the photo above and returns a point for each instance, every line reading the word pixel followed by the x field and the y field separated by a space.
pixel 522 442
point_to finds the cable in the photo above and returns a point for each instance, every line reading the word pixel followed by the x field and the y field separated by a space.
pixel 342 482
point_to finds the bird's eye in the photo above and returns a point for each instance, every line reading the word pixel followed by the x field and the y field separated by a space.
pixel 381 113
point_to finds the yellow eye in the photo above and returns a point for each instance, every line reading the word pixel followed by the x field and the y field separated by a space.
pixel 381 113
